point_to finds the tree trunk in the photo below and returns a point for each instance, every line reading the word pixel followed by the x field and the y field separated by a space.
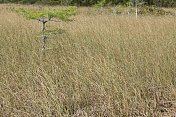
pixel 43 36
pixel 101 10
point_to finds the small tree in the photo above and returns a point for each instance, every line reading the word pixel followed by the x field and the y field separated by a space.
pixel 138 3
pixel 45 16
pixel 100 5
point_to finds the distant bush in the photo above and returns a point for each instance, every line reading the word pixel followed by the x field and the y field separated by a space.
pixel 123 10
pixel 174 4
pixel 153 10
pixel 144 10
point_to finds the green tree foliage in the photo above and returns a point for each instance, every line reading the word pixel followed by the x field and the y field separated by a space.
pixel 48 15
pixel 101 3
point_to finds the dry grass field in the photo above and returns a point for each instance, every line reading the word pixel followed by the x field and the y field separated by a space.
pixel 100 66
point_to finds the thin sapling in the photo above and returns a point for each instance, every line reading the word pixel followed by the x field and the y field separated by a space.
pixel 100 6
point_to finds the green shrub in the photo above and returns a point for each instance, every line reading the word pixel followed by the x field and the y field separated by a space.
pixel 124 10
pixel 153 10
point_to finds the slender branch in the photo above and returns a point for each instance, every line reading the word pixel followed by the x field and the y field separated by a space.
pixel 42 20
pixel 55 20
pixel 45 21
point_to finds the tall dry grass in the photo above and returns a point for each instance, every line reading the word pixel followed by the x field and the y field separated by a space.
pixel 101 66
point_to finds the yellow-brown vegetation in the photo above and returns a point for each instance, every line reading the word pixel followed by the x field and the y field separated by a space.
pixel 101 66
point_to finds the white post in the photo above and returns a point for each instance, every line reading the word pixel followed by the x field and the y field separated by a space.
pixel 136 8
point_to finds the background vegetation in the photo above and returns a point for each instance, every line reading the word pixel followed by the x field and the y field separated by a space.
pixel 165 3
pixel 96 66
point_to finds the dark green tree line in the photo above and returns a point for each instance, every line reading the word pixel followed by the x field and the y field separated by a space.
pixel 164 3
